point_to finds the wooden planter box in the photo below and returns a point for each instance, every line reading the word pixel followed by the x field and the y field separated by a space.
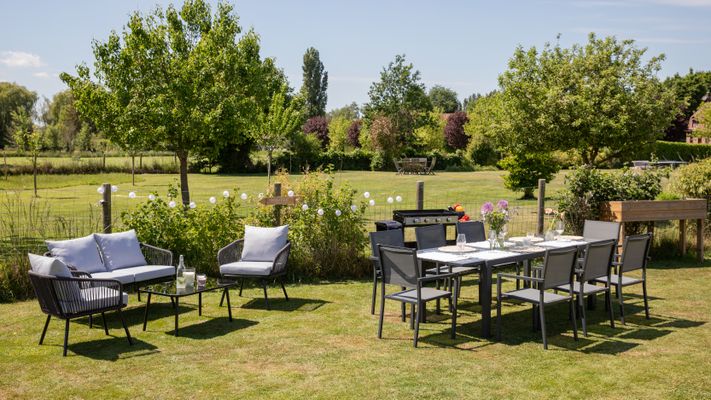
pixel 661 210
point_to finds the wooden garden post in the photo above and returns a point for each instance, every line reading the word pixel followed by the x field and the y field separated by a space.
pixel 420 195
pixel 682 236
pixel 277 208
pixel 541 205
pixel 106 207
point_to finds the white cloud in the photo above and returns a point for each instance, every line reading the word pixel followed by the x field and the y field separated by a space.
pixel 43 75
pixel 20 59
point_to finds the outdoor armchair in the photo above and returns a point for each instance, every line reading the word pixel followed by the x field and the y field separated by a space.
pixel 393 237
pixel 261 255
pixel 400 267
pixel 62 295
pixel 558 269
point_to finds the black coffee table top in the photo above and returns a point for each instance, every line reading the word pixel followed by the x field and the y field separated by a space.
pixel 169 289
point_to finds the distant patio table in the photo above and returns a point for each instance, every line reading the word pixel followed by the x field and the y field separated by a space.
pixel 488 260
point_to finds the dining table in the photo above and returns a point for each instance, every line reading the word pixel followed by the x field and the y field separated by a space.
pixel 481 255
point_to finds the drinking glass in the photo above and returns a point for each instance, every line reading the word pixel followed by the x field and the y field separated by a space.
pixel 461 241
pixel 559 228
pixel 492 238
pixel 529 238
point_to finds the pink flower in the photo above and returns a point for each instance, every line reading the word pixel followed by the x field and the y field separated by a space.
pixel 503 204
pixel 487 207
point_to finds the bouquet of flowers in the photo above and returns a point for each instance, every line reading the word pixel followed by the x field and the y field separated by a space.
pixel 496 217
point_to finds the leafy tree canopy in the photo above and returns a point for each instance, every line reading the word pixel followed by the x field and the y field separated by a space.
pixel 689 90
pixel 444 98
pixel 599 99
pixel 350 112
pixel 182 78
pixel 13 97
pixel 315 84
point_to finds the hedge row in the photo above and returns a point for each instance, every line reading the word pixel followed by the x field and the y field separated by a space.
pixel 682 151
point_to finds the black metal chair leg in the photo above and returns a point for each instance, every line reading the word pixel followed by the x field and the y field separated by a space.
pixel 542 314
pixel 375 292
pixel 382 313
pixel 226 294
pixel 583 314
pixel 91 321
pixel 646 303
pixel 608 305
pixel 125 328
pixel 283 289
pixel 103 319
pixel 419 308
pixel 222 300
pixel 241 286
pixel 622 305
pixel 266 298
pixel 44 331
pixel 66 336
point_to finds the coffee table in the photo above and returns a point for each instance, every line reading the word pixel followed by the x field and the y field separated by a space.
pixel 168 289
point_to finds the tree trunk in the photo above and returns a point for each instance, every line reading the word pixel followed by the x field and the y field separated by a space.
pixel 34 173
pixel 185 192
pixel 140 161
pixel 133 170
pixel 103 161
pixel 269 167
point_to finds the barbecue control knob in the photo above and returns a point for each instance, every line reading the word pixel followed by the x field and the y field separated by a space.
pixel 424 220
pixel 438 219
pixel 416 220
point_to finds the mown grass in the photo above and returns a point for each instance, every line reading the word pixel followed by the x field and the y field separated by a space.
pixel 322 344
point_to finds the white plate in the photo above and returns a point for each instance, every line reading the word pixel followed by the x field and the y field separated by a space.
pixel 456 249
pixel 517 239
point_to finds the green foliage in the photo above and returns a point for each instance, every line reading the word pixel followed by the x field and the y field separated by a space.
pixel 431 136
pixel 400 97
pixel 350 112
pixel 182 78
pixel 195 233
pixel 681 151
pixel 693 180
pixel 338 133
pixel 588 188
pixel 486 127
pixel 526 169
pixel 315 84
pixel 600 99
pixel 704 116
pixel 13 98
pixel 689 90
pixel 66 130
pixel 384 138
pixel 444 99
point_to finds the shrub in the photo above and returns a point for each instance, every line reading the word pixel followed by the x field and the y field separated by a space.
pixel 338 133
pixel 318 126
pixel 454 130
pixel 353 134
pixel 694 180
pixel 682 151
pixel 196 233
pixel 526 169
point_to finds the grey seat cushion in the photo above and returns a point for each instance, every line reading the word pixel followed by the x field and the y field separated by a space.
pixel 55 267
pixel 444 269
pixel 138 274
pixel 81 253
pixel 589 288
pixel 615 278
pixel 263 244
pixel 252 268
pixel 120 250
pixel 410 296
pixel 533 296
pixel 92 299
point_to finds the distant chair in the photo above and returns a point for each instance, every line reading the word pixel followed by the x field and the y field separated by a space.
pixel 597 263
pixel 635 255
pixel 400 267
pixel 558 268
pixel 603 230
pixel 392 237
pixel 473 230
pixel 262 254
pixel 398 166
pixel 429 170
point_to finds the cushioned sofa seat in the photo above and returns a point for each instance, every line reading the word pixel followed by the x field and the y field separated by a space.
pixel 256 268
pixel 93 298
pixel 137 274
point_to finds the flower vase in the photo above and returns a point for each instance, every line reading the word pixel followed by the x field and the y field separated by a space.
pixel 500 241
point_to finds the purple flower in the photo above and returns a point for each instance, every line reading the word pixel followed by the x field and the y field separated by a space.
pixel 503 204
pixel 487 207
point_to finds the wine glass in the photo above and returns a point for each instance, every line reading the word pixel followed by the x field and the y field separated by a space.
pixel 461 241
pixel 559 228
pixel 492 238
pixel 529 238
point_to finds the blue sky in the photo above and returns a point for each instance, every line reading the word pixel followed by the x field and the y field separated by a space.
pixel 463 45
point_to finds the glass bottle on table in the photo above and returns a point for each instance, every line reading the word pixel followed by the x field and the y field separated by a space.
pixel 180 274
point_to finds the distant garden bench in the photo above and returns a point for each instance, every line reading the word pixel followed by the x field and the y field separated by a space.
pixel 418 165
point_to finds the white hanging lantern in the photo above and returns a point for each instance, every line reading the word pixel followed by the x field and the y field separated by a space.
pixel 151 197
pixel 390 200
pixel 320 212
pixel 226 194
pixel 100 190
pixel 192 204
pixel 114 188
pixel 243 196
pixel 132 195
pixel 398 199
pixel 213 200
pixel 171 204
pixel 338 213
pixel 354 207
pixel 371 202
pixel 366 195
pixel 304 207
pixel 290 193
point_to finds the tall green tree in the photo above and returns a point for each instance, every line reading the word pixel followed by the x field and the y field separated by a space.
pixel 444 98
pixel 28 139
pixel 275 126
pixel 401 98
pixel 600 100
pixel 350 112
pixel 315 84
pixel 689 90
pixel 13 97
pixel 186 78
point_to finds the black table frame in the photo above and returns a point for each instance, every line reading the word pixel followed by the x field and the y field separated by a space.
pixel 175 299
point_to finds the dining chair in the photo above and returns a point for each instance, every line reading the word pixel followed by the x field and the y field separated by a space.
pixel 393 237
pixel 596 263
pixel 399 266
pixel 601 230
pixel 635 255
pixel 473 230
pixel 558 269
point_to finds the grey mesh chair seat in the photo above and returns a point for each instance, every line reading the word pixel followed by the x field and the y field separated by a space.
pixel 426 294
pixel 533 296
pixel 614 279
pixel 589 288
pixel 252 268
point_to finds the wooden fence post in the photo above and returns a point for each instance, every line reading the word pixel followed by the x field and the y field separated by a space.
pixel 277 208
pixel 106 207
pixel 420 195
pixel 541 205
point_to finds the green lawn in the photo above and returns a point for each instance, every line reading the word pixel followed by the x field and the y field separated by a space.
pixel 322 344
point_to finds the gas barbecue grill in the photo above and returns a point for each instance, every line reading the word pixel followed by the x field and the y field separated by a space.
pixel 425 217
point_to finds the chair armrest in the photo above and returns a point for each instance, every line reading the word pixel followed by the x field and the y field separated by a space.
pixel 518 277
pixel 156 256
pixel 432 278
pixel 281 259
pixel 79 274
pixel 616 263
pixel 104 294
pixel 230 253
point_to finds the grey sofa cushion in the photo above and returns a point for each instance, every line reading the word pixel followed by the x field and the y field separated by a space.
pixel 93 298
pixel 263 244
pixel 120 250
pixel 81 253
pixel 252 268
pixel 138 274
pixel 125 276
pixel 55 267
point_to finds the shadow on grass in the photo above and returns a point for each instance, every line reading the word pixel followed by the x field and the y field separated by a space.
pixel 134 316
pixel 213 328
pixel 688 261
pixel 281 304
pixel 113 349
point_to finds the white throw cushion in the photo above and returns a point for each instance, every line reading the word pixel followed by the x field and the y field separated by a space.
pixel 120 250
pixel 66 291
pixel 253 268
pixel 80 253
pixel 263 244
pixel 138 274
